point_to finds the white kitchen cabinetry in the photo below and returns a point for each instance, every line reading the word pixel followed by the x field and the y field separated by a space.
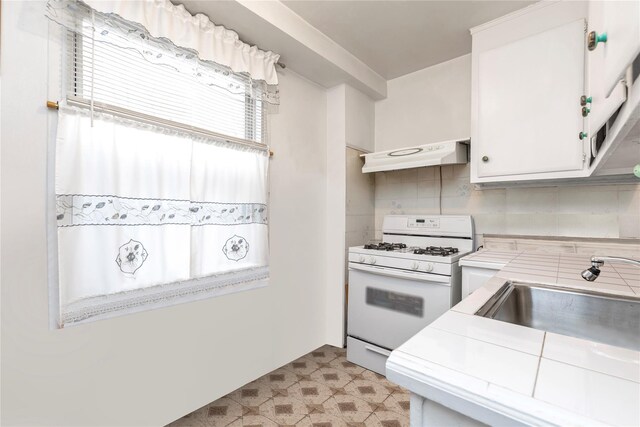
pixel 613 41
pixel 474 277
pixel 532 74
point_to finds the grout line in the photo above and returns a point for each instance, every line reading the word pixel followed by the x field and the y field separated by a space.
pixel 481 340
pixel 535 381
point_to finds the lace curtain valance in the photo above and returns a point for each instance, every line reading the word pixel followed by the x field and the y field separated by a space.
pixel 154 27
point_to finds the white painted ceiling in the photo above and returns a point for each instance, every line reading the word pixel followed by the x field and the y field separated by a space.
pixel 395 38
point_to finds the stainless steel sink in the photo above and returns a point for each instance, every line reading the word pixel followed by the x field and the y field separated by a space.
pixel 594 316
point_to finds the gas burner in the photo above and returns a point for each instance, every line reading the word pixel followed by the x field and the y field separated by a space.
pixel 436 250
pixel 385 246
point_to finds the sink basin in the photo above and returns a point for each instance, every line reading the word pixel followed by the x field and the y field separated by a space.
pixel 595 316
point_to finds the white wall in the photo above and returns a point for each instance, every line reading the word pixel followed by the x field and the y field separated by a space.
pixel 430 105
pixel 434 104
pixel 152 367
pixel 350 122
pixel 359 120
pixel 360 204
pixel 336 212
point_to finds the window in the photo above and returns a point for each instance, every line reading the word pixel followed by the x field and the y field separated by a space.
pixel 155 78
pixel 161 188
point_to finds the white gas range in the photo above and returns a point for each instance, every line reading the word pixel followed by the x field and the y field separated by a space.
pixel 399 286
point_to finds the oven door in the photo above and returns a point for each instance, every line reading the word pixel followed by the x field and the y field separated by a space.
pixel 389 306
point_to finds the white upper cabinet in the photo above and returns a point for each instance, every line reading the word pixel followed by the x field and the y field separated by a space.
pixel 528 75
pixel 528 120
pixel 614 33
pixel 613 41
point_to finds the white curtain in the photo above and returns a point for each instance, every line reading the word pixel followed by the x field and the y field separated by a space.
pixel 213 42
pixel 140 207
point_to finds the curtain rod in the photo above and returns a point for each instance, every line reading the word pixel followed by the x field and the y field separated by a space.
pixel 122 112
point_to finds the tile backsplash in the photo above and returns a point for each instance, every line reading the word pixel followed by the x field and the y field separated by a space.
pixel 575 211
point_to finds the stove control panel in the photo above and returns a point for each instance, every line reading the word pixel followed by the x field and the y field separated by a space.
pixel 422 266
pixel 423 223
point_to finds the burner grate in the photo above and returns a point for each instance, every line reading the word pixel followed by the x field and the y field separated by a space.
pixel 385 246
pixel 436 250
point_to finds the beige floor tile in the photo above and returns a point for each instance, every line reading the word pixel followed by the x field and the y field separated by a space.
pixel 284 411
pixel 322 355
pixel 252 394
pixel 349 408
pixel 332 377
pixel 348 367
pixel 302 366
pixel 387 419
pixel 279 379
pixel 320 389
pixel 326 420
pixel 222 412
pixel 257 421
pixel 310 392
pixel 397 403
pixel 370 391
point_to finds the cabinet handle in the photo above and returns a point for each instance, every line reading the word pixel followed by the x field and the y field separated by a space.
pixel 584 100
pixel 485 158
pixel 582 135
pixel 594 38
pixel 585 111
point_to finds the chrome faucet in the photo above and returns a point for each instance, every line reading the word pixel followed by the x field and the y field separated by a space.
pixel 593 272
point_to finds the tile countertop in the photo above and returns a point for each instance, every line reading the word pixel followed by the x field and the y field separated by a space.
pixel 531 376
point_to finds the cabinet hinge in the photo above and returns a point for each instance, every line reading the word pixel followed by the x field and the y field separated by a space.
pixel 584 157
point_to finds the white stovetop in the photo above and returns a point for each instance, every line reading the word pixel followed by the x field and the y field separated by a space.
pixel 536 377
pixel 407 253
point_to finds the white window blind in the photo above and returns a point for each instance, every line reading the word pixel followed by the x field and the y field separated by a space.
pixel 116 64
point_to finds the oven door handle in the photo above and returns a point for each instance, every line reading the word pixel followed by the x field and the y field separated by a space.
pixel 402 274
pixel 380 351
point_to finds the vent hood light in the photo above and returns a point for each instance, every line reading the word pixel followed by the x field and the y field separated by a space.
pixel 437 153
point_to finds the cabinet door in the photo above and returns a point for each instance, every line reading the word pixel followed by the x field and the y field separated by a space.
pixel 529 114
pixel 473 278
pixel 607 63
pixel 620 21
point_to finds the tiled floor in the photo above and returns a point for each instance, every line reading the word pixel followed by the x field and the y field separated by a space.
pixel 321 389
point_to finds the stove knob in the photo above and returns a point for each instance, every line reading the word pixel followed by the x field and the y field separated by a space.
pixel 361 259
pixel 429 267
pixel 372 260
pixel 415 266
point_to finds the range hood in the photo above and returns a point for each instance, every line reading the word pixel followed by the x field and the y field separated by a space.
pixel 437 153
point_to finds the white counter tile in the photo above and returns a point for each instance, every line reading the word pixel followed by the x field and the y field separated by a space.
pixel 607 359
pixel 526 277
pixel 527 340
pixel 598 286
pixel 515 268
pixel 489 362
pixel 603 397
pixel 632 282
pixel 473 302
pixel 610 279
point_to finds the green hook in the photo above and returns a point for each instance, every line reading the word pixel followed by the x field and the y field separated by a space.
pixel 582 135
